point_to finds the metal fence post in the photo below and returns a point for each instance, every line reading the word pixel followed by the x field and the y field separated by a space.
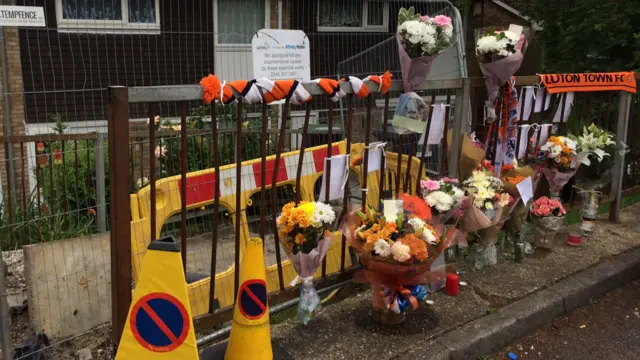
pixel 120 211
pixel 5 326
pixel 460 114
pixel 100 185
pixel 624 108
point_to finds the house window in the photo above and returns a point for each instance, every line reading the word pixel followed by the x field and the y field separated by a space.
pixel 237 21
pixel 108 15
pixel 353 15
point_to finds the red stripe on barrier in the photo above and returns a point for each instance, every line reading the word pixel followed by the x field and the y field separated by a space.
pixel 282 172
pixel 200 188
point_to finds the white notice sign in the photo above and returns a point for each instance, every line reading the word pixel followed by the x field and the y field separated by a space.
pixel 25 16
pixel 281 55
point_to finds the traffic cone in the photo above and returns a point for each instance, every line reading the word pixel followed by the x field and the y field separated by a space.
pixel 250 334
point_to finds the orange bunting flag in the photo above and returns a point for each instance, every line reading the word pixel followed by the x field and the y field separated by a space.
pixel 359 88
pixel 331 87
pixel 618 81
pixel 383 81
pixel 210 88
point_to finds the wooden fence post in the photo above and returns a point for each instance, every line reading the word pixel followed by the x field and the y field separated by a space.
pixel 460 120
pixel 120 211
pixel 624 108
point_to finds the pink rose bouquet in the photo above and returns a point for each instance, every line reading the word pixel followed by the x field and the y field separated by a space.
pixel 547 216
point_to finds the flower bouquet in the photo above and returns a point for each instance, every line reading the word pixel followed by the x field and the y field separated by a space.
pixel 397 252
pixel 305 232
pixel 596 149
pixel 500 54
pixel 484 213
pixel 512 175
pixel 547 216
pixel 559 162
pixel 444 197
pixel 420 40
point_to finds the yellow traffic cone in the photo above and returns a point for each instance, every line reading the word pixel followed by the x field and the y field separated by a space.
pixel 250 334
pixel 159 325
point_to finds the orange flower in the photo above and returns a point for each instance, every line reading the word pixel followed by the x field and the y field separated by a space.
pixel 211 88
pixel 416 206
pixel 418 248
pixel 514 179
pixel 300 239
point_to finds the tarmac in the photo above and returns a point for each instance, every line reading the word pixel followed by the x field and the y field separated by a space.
pixel 498 305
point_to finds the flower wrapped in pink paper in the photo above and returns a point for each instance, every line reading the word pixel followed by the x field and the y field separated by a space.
pixel 420 40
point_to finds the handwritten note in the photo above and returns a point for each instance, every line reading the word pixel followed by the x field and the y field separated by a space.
pixel 391 208
pixel 525 188
pixel 339 167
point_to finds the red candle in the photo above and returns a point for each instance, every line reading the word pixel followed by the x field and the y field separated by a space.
pixel 574 239
pixel 453 281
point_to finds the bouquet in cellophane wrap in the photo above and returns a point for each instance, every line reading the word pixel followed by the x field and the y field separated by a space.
pixel 444 197
pixel 305 231
pixel 396 248
pixel 485 211
pixel 420 40
pixel 500 53
pixel 558 159
pixel 547 216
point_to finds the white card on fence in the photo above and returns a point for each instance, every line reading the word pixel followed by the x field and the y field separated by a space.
pixel 339 167
pixel 524 141
pixel 525 188
pixel 391 208
pixel 527 96
pixel 376 153
pixel 436 126
pixel 567 108
pixel 542 98
pixel 544 133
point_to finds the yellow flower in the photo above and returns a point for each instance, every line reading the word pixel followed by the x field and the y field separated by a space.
pixel 300 239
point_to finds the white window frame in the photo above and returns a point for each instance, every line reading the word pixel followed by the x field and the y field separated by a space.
pixel 108 26
pixel 267 25
pixel 365 28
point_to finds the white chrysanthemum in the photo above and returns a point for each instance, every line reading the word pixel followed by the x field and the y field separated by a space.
pixel 401 252
pixel 458 194
pixel 416 223
pixel 487 44
pixel 512 37
pixel 489 205
pixel 323 213
pixel 448 31
pixel 556 150
pixel 570 143
pixel 440 200
pixel 382 248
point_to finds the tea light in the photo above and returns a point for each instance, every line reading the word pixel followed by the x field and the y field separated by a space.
pixel 574 239
pixel 453 282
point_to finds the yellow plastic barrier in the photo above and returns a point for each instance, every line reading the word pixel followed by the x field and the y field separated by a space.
pixel 200 193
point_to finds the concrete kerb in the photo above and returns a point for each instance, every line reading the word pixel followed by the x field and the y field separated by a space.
pixel 492 332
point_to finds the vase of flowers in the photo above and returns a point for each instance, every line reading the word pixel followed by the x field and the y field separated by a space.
pixel 547 216
pixel 485 213
pixel 558 159
pixel 596 149
pixel 305 231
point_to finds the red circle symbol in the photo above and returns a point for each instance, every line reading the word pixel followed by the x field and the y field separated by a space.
pixel 159 322
pixel 252 298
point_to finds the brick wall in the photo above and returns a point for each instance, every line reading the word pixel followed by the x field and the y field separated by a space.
pixel 16 105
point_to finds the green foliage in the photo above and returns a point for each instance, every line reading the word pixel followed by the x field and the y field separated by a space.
pixel 588 35
pixel 407 15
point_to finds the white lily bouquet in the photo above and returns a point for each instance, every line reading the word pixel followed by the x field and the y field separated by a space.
pixel 595 155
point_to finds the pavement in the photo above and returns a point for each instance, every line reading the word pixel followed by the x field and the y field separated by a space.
pixel 606 328
pixel 497 306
